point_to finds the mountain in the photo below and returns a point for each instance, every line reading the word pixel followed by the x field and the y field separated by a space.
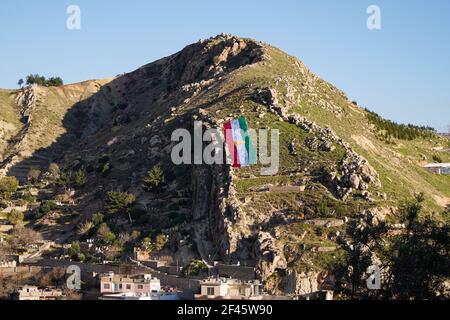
pixel 338 161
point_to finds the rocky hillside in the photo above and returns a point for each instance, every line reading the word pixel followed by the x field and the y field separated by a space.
pixel 292 226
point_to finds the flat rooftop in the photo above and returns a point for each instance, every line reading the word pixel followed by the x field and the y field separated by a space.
pixel 437 165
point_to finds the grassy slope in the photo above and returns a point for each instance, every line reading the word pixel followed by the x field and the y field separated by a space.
pixel 399 166
pixel 9 117
pixel 52 105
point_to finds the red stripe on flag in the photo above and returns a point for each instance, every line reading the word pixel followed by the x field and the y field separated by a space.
pixel 231 145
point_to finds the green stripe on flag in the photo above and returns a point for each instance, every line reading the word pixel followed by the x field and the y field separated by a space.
pixel 248 143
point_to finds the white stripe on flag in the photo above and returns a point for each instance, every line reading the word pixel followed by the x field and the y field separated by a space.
pixel 240 143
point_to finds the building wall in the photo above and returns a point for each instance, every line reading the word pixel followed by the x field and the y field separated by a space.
pixel 129 286
pixel 204 290
pixel 189 286
pixel 230 290
pixel 439 170
pixel 237 272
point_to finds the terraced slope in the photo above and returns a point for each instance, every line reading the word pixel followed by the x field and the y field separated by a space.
pixel 37 117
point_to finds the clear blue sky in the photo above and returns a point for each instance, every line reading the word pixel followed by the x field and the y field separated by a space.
pixel 401 71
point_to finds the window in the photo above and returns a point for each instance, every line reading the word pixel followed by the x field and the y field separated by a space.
pixel 210 291
pixel 140 286
pixel 106 286
pixel 242 291
pixel 128 286
pixel 120 286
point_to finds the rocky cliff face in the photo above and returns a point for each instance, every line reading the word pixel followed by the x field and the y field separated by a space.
pixel 292 225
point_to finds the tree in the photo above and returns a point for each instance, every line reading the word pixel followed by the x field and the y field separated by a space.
pixel 196 268
pixel 105 235
pixel 45 207
pixel 20 83
pixel 54 169
pixel 154 179
pixel 414 263
pixel 113 252
pixel 22 237
pixel 97 219
pixel 54 82
pixel 160 242
pixel 27 197
pixel 42 81
pixel 53 278
pixel 8 185
pixel 418 259
pixel 15 217
pixel 119 202
pixel 33 175
pixel 74 250
pixel 84 228
pixel 35 79
pixel 63 179
pixel 79 178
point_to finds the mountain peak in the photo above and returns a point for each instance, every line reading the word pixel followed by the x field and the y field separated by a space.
pixel 334 166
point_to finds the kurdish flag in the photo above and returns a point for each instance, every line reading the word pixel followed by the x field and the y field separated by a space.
pixel 238 141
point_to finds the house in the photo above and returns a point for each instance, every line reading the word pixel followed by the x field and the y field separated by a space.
pixel 9 261
pixel 324 295
pixel 36 293
pixel 162 296
pixel 136 284
pixel 438 168
pixel 233 289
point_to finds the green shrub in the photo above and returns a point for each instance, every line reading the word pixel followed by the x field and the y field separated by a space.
pixel 74 249
pixel 15 217
pixel 97 219
pixel 322 209
pixel 28 197
pixel 437 159
pixel 79 178
pixel 85 228
pixel 44 208
pixel 33 175
pixel 105 235
pixel 81 257
pixel 104 169
pixel 119 202
pixel 196 268
pixel 340 212
pixel 63 179
pixel 154 179
pixel 8 185
pixel 160 242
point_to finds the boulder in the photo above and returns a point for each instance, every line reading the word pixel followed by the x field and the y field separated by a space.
pixel 354 181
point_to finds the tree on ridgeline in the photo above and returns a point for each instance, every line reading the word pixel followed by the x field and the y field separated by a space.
pixel 42 81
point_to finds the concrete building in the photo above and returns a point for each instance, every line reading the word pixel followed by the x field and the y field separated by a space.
pixel 35 293
pixel 137 284
pixel 9 261
pixel 222 288
pixel 156 296
pixel 438 168
pixel 318 295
